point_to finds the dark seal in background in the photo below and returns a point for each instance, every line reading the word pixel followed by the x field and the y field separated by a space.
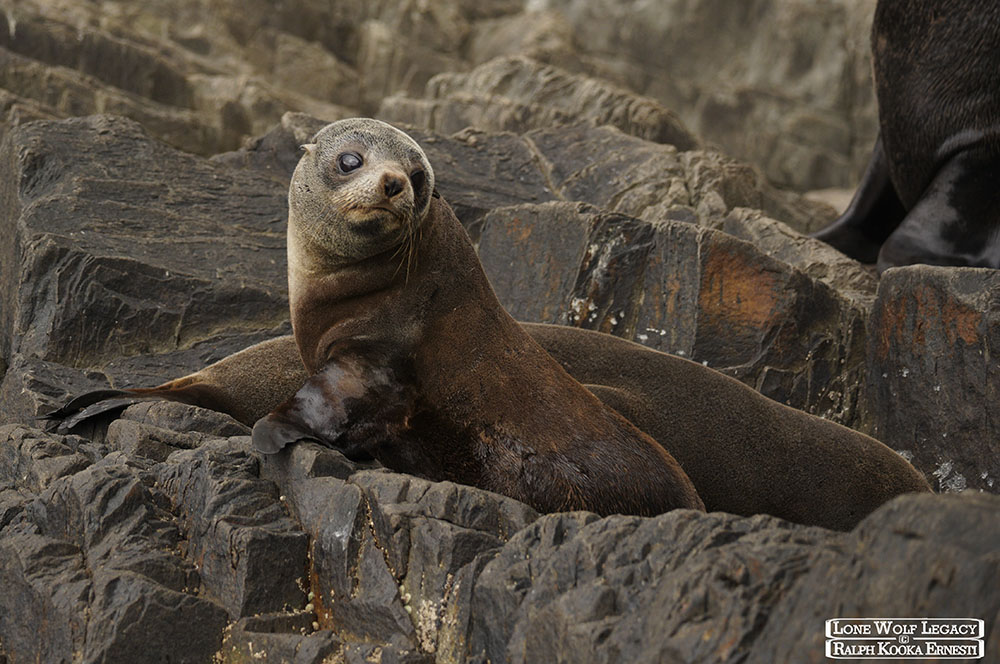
pixel 931 193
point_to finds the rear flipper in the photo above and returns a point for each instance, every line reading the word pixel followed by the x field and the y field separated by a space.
pixel 874 213
pixel 352 405
pixel 89 405
pixel 957 219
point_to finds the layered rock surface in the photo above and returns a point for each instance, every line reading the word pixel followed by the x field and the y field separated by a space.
pixel 783 84
pixel 786 85
pixel 128 262
pixel 517 94
pixel 304 556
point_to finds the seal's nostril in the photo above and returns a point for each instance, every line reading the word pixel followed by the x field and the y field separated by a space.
pixel 392 185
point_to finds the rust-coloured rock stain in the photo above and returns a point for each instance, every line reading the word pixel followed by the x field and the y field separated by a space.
pixel 323 614
pixel 737 292
pixel 518 230
pixel 913 319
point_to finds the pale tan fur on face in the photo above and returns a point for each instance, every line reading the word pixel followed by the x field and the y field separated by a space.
pixel 327 207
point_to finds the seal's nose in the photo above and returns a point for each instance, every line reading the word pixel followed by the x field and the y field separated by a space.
pixel 392 184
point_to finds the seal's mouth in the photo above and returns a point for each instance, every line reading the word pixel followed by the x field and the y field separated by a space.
pixel 381 222
pixel 381 212
pixel 372 208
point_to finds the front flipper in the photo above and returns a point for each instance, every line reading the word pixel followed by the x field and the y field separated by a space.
pixel 874 213
pixel 351 404
pixel 957 219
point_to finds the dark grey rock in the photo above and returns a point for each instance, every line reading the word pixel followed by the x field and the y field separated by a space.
pixel 617 172
pixel 284 637
pixel 44 603
pixel 143 440
pixel 31 387
pixel 517 94
pixel 12 501
pixel 277 152
pixel 109 513
pixel 79 60
pixel 385 548
pixel 306 460
pixel 31 459
pixel 95 567
pixel 785 84
pixel 252 556
pixel 200 422
pixel 917 556
pixel 686 587
pixel 355 592
pixel 934 377
pixel 477 172
pixel 93 270
pixel 503 583
pixel 136 620
pixel 352 589
pixel 461 505
pixel 817 259
pixel 429 531
pixel 552 238
pixel 66 180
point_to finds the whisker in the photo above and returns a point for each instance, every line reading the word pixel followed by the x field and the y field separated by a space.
pixel 402 247
pixel 415 235
pixel 398 249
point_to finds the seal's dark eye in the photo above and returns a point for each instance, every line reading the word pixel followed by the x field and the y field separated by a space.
pixel 418 178
pixel 348 161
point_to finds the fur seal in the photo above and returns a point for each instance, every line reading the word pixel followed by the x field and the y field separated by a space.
pixel 745 453
pixel 930 194
pixel 413 361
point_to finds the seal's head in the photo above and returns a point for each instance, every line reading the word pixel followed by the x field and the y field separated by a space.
pixel 362 188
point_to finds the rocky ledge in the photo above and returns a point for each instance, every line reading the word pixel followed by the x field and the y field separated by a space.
pixel 161 536
pixel 784 84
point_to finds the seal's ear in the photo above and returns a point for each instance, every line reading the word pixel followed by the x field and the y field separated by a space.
pixel 308 147
pixel 435 193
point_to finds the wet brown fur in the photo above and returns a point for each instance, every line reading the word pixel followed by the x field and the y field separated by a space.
pixel 484 405
pixel 495 411
pixel 744 453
